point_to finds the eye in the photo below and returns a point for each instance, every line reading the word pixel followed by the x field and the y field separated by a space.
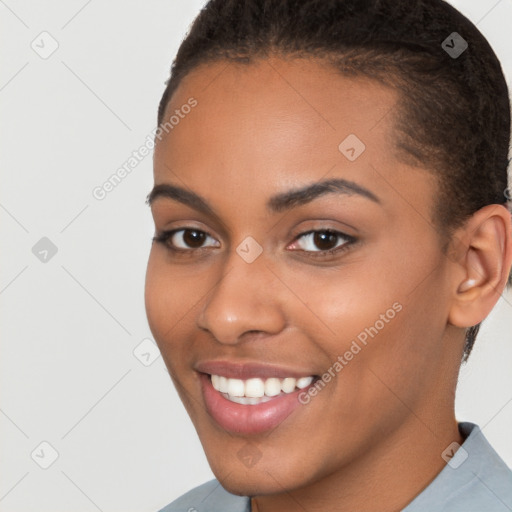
pixel 184 239
pixel 318 243
pixel 328 241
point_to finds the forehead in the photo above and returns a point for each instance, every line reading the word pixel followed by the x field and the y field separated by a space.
pixel 261 127
pixel 306 97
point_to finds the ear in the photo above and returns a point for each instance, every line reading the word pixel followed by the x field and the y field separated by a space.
pixel 484 259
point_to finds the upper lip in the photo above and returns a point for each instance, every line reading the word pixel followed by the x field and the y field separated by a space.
pixel 249 369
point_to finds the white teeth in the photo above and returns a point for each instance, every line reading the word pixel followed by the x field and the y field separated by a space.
pixel 288 384
pixel 272 387
pixel 248 400
pixel 304 382
pixel 256 390
pixel 236 387
pixel 223 384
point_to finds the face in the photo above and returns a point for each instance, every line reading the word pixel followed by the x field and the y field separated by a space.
pixel 265 275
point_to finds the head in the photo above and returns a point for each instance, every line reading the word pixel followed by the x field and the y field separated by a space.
pixel 408 148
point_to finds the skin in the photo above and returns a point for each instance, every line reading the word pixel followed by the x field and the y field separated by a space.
pixel 382 423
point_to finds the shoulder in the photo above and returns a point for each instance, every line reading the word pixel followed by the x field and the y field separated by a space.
pixel 474 479
pixel 489 484
pixel 211 497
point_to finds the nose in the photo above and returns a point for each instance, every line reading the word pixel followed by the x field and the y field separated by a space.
pixel 246 298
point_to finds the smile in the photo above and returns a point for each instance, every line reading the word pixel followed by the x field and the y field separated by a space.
pixel 256 390
pixel 250 398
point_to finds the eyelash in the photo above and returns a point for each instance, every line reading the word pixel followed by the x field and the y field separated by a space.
pixel 164 237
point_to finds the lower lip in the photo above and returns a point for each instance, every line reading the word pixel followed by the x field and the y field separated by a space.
pixel 247 419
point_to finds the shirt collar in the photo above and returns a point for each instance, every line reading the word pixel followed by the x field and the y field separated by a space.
pixel 474 478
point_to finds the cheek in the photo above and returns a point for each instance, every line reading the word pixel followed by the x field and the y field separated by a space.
pixel 383 320
pixel 167 303
pixel 333 308
pixel 342 302
pixel 155 296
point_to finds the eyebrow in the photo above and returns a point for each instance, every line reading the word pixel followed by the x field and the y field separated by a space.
pixel 277 203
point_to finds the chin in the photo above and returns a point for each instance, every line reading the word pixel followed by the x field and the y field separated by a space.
pixel 246 483
pixel 261 479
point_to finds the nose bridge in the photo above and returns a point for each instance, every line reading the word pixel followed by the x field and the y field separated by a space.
pixel 241 301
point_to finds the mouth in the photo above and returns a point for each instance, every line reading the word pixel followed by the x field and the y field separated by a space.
pixel 256 390
pixel 241 402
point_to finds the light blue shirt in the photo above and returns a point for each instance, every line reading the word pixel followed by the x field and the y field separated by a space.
pixel 475 479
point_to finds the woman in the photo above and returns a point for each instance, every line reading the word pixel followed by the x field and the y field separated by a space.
pixel 331 229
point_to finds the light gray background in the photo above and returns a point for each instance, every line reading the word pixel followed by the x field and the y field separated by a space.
pixel 70 325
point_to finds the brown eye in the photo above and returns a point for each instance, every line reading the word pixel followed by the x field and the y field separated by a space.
pixel 193 238
pixel 185 239
pixel 323 242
